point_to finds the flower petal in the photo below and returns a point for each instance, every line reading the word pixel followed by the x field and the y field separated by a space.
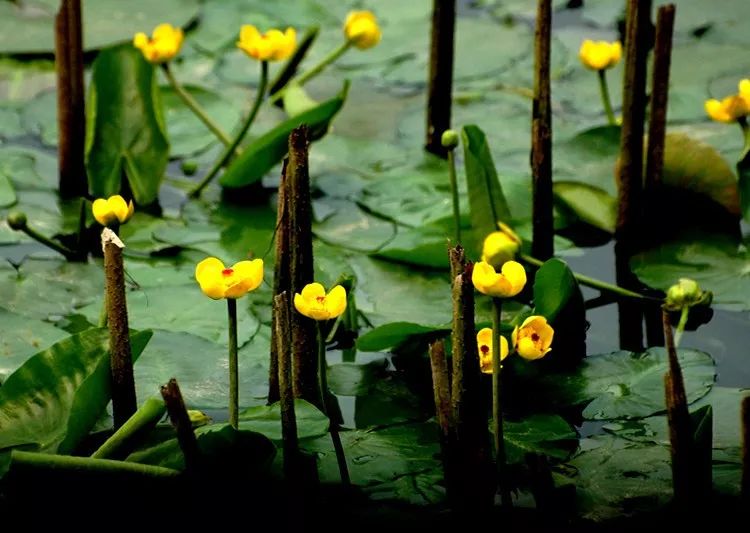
pixel 208 267
pixel 312 291
pixel 102 212
pixel 336 301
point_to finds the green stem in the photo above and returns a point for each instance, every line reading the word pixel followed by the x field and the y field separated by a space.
pixel 497 409
pixel 33 460
pixel 317 69
pixel 680 329
pixel 67 252
pixel 594 283
pixel 194 106
pixel 144 419
pixel 606 102
pixel 234 391
pixel 240 135
pixel 333 427
pixel 454 194
pixel 742 121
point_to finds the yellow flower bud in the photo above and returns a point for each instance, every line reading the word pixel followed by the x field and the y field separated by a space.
pixel 218 282
pixel 163 45
pixel 685 293
pixel 500 246
pixel 362 30
pixel 600 55
pixel 533 339
pixel 112 210
pixel 484 347
pixel 273 45
pixel 509 282
pixel 316 304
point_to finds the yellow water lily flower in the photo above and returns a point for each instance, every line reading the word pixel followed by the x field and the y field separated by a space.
pixel 533 339
pixel 113 209
pixel 509 282
pixel 273 45
pixel 164 44
pixel 732 107
pixel 218 282
pixel 600 55
pixel 362 30
pixel 500 246
pixel 484 346
pixel 316 304
pixel 744 87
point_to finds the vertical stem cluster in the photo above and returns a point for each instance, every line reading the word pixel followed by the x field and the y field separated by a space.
pixel 542 245
pixel 440 82
pixel 283 339
pixel 234 389
pixel 121 360
pixel 71 120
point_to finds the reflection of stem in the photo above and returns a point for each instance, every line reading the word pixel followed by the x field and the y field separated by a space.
pixel 454 194
pixel 497 410
pixel 194 106
pixel 317 69
pixel 234 395
pixel 333 428
pixel 681 325
pixel 606 102
pixel 240 135
pixel 594 283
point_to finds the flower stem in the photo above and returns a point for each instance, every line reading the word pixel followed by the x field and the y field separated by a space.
pixel 742 121
pixel 606 102
pixel 594 283
pixel 234 396
pixel 497 410
pixel 333 426
pixel 314 71
pixel 194 106
pixel 67 252
pixel 240 135
pixel 142 420
pixel 680 329
pixel 454 194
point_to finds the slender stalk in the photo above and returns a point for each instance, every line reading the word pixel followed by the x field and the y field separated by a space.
pixel 286 73
pixel 497 408
pixel 440 80
pixel 684 313
pixel 230 149
pixel 180 419
pixel 594 283
pixel 306 76
pixel 124 403
pixel 234 390
pixel 606 101
pixel 334 430
pixel 194 106
pixel 454 194
pixel 33 460
pixel 543 230
pixel 49 243
pixel 120 443
pixel 742 121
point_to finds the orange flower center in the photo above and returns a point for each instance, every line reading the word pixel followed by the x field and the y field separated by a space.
pixel 227 272
pixel 484 348
pixel 320 299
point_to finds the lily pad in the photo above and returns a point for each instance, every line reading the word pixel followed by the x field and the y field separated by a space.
pixel 625 385
pixel 23 337
pixel 266 419
pixel 550 435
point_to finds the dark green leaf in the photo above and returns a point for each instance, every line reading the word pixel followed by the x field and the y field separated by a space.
pixel 266 419
pixel 486 200
pixel 589 204
pixel 350 379
pixel 69 385
pixel 554 286
pixel 550 435
pixel 395 333
pixel 125 134
pixel 266 151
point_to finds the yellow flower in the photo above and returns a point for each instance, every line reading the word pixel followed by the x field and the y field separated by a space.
pixel 732 107
pixel 484 345
pixel 534 338
pixel 600 55
pixel 316 304
pixel 113 209
pixel 271 46
pixel 500 246
pixel 218 282
pixel 163 45
pixel 362 30
pixel 508 283
pixel 744 87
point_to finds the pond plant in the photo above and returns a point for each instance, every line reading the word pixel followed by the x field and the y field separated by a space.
pixel 416 197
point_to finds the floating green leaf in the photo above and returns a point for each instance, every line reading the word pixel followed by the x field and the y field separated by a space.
pixel 125 133
pixel 266 419
pixel 394 333
pixel 550 435
pixel 267 150
pixel 589 204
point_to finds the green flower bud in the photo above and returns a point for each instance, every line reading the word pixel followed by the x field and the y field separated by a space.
pixel 17 220
pixel 189 167
pixel 198 418
pixel 686 292
pixel 449 139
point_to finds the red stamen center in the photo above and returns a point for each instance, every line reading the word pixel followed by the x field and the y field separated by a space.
pixel 320 299
pixel 484 348
pixel 227 272
pixel 535 337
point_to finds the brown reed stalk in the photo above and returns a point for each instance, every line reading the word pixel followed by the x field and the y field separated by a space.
pixel 440 82
pixel 180 419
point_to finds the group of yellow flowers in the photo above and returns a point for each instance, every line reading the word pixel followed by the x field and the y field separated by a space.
pixel 360 29
pixel 533 338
